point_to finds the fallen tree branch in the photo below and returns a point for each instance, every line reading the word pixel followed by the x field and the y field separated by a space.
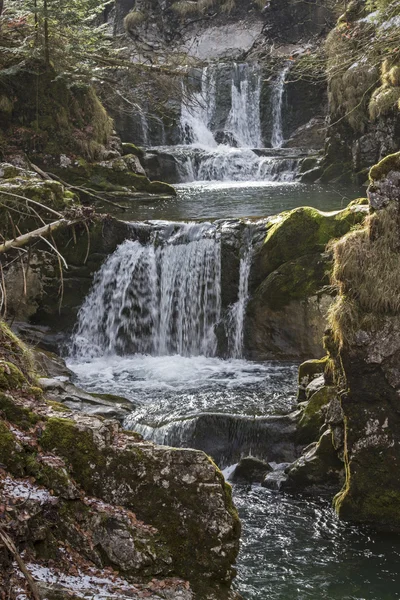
pixel 9 544
pixel 24 239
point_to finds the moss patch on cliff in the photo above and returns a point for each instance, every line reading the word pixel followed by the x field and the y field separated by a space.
pixel 367 274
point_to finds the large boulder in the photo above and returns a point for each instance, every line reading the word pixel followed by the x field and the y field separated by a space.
pixel 289 283
pixel 95 475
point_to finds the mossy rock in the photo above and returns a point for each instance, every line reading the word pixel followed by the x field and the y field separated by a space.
pixel 313 416
pixel 128 148
pixel 308 370
pixel 11 377
pixel 58 118
pixel 299 232
pixel 387 164
pixel 13 350
pixel 17 414
pixel 295 280
pixel 111 178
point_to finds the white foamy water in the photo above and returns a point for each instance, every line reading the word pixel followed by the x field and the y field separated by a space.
pixel 166 388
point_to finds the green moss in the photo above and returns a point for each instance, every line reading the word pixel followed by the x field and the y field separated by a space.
pixel 11 377
pixel 387 164
pixel 128 148
pixel 13 350
pixel 295 280
pixel 19 415
pixel 57 406
pixel 10 456
pixel 371 493
pixel 158 187
pixel 303 231
pixel 54 478
pixel 77 446
pixel 58 118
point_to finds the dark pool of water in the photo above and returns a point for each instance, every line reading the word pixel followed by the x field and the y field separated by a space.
pixel 220 200
pixel 297 549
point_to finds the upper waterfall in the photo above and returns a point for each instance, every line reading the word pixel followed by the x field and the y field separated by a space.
pixel 220 127
pixel 241 126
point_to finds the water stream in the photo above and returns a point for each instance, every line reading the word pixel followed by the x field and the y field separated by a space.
pixel 149 331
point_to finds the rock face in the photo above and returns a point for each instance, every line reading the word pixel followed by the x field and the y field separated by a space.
pixel 357 403
pixel 363 95
pixel 93 474
pixel 366 325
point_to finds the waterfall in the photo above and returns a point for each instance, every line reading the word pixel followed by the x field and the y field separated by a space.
pixel 238 310
pixel 222 146
pixel 277 100
pixel 244 121
pixel 160 298
pixel 197 114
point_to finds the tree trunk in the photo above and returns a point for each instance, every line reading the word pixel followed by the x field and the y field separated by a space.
pixel 46 36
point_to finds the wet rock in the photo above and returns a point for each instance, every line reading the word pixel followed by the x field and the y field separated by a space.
pixel 276 478
pixel 101 405
pixel 227 438
pixel 250 469
pixel 318 471
pixel 314 412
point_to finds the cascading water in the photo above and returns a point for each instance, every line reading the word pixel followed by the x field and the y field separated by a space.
pixel 277 101
pixel 238 310
pixel 201 158
pixel 162 298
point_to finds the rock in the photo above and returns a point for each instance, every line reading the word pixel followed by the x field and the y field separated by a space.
pixel 128 148
pixel 95 475
pixel 250 469
pixel 124 174
pixel 105 405
pixel 365 327
pixel 314 411
pixel 318 471
pixel 51 365
pixel 276 478
pixel 310 135
pixel 309 370
pixel 226 438
pixel 286 316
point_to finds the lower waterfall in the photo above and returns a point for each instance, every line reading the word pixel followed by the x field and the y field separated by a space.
pixel 162 297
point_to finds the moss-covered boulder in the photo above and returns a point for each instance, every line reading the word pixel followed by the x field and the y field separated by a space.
pixel 300 232
pixel 290 278
pixel 91 476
